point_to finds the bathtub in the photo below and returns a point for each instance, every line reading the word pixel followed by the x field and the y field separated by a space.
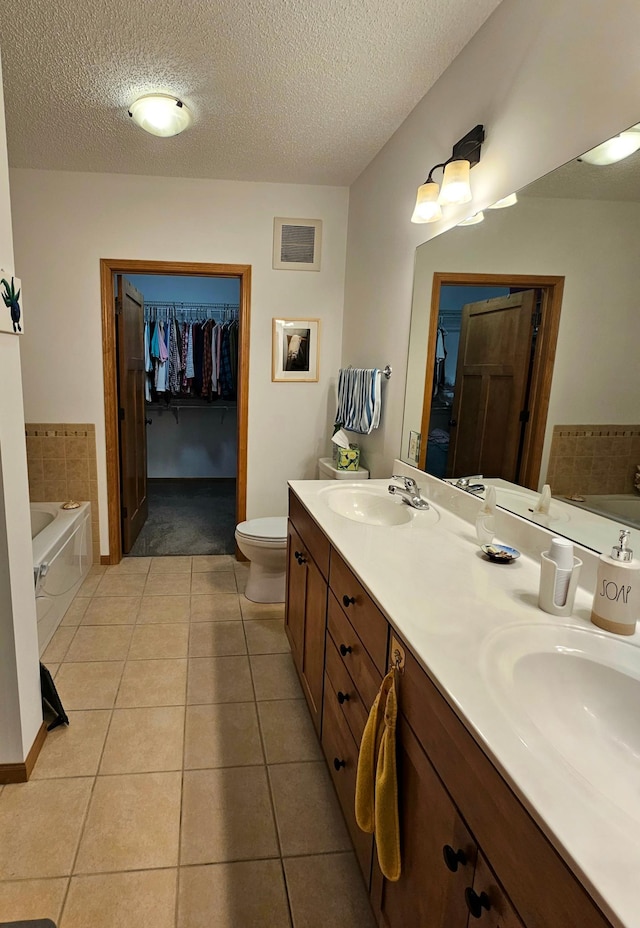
pixel 624 506
pixel 62 555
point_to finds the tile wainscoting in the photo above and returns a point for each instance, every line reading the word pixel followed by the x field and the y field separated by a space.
pixel 61 459
pixel 590 459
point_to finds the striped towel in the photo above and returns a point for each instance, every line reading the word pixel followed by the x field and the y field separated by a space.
pixel 359 399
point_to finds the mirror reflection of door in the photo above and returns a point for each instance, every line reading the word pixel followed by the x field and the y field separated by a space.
pixel 489 367
pixel 493 374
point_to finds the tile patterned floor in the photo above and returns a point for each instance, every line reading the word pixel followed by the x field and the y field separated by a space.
pixel 189 790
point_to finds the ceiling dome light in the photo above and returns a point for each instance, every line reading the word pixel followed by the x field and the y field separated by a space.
pixel 615 149
pixel 511 200
pixel 427 208
pixel 160 114
pixel 473 220
pixel 455 183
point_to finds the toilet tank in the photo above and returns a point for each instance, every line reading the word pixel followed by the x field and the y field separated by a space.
pixel 328 472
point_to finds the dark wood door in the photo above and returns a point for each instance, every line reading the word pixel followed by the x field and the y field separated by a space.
pixel 315 620
pixel 296 594
pixel 491 382
pixel 131 383
pixel 487 891
pixel 428 893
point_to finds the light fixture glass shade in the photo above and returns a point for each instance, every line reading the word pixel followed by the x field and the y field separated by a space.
pixel 511 200
pixel 427 208
pixel 455 183
pixel 160 114
pixel 473 220
pixel 615 149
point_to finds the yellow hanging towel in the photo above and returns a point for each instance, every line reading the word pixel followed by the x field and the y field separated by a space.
pixel 376 802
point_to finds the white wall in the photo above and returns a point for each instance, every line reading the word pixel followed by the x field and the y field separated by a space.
pixel 20 706
pixel 201 443
pixel 593 245
pixel 548 80
pixel 65 222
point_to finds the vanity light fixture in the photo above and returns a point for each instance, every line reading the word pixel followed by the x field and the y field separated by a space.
pixel 511 200
pixel 615 149
pixel 160 114
pixel 455 180
pixel 473 220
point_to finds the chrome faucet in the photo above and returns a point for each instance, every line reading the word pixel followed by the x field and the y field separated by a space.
pixel 464 483
pixel 410 492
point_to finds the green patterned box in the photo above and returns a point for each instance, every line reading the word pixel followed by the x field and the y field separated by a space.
pixel 348 458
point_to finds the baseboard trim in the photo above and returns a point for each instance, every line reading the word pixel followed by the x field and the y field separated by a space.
pixel 20 773
pixel 105 560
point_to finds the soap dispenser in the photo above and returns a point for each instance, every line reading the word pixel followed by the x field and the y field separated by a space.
pixel 616 604
pixel 486 518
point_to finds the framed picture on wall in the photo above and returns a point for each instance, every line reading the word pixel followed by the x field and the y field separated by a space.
pixel 295 350
pixel 11 318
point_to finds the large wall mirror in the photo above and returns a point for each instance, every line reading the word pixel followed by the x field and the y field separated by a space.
pixel 525 340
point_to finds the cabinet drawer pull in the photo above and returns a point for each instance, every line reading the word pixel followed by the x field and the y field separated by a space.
pixel 476 903
pixel 348 600
pixel 300 558
pixel 453 858
pixel 339 763
pixel 343 697
pixel 345 649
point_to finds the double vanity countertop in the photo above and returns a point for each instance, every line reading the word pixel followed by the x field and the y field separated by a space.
pixel 548 699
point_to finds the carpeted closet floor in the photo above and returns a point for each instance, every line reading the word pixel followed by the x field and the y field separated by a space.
pixel 188 517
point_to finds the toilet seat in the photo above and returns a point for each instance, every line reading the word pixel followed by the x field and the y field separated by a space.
pixel 270 529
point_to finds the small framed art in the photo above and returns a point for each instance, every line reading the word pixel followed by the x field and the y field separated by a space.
pixel 295 350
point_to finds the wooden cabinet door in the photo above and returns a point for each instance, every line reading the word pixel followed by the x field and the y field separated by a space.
pixel 429 893
pixel 296 594
pixel 306 620
pixel 488 904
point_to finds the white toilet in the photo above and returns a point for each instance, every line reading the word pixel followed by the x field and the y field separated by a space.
pixel 264 542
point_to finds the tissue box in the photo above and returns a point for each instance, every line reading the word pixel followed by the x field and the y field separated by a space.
pixel 348 458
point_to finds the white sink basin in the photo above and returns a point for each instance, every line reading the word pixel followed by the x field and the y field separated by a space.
pixel 578 692
pixel 373 505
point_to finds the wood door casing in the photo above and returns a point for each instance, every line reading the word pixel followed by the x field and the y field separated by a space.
pixel 109 268
pixel 551 288
pixel 131 399
pixel 490 388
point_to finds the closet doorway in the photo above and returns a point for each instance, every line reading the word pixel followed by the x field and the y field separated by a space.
pixel 176 452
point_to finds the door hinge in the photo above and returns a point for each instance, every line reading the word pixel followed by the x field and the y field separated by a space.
pixel 536 319
pixel 123 512
pixel 118 306
pixel 524 415
pixel 121 413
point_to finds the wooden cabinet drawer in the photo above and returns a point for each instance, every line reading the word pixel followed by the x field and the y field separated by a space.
pixel 341 753
pixel 362 612
pixel 345 692
pixel 493 907
pixel 315 541
pixel 360 667
pixel 541 887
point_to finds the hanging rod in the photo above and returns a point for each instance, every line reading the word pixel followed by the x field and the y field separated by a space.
pixel 190 305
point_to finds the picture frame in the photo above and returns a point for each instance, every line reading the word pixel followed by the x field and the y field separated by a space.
pixel 295 350
pixel 11 315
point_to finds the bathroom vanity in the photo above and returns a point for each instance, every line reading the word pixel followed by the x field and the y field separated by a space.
pixel 495 825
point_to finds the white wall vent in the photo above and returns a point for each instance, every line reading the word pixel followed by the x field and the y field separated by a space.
pixel 297 244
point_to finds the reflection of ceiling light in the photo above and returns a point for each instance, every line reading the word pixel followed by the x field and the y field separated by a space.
pixel 615 149
pixel 511 200
pixel 160 114
pixel 473 220
pixel 427 207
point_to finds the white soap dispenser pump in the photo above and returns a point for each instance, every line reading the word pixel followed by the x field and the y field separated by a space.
pixel 616 604
pixel 486 518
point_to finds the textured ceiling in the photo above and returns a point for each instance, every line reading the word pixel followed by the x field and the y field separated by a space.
pixel 280 90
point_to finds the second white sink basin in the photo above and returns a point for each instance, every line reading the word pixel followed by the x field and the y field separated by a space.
pixel 372 505
pixel 579 691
